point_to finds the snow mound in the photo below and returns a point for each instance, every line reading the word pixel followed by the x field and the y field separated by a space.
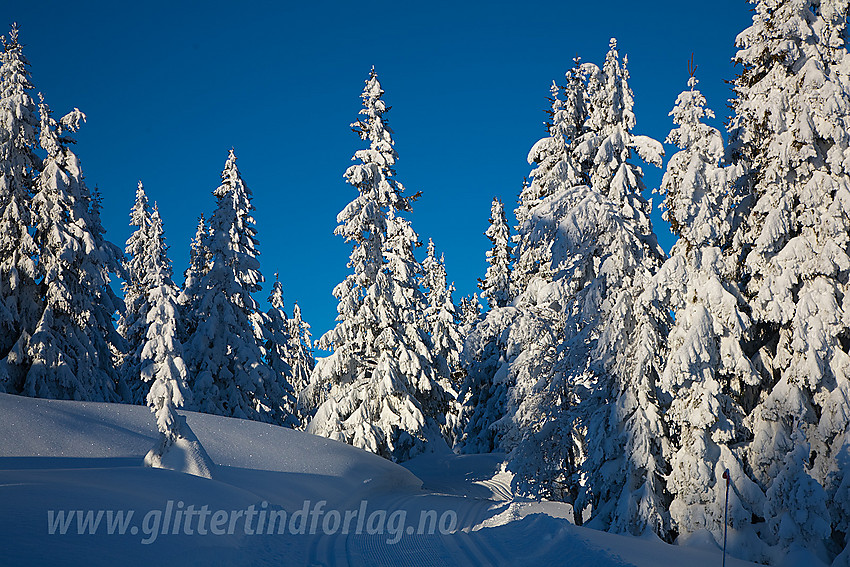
pixel 185 454
pixel 65 434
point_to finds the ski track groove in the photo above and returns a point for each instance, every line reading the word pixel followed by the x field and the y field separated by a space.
pixel 499 490
pixel 459 547
pixel 411 550
pixel 472 547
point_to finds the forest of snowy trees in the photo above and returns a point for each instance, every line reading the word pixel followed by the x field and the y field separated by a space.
pixel 612 375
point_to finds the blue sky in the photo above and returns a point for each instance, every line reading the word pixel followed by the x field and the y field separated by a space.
pixel 170 87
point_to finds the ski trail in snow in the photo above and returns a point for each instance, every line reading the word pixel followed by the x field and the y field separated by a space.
pixel 473 545
pixel 460 547
pixel 500 489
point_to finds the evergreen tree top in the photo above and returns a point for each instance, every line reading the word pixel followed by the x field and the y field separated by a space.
pixel 140 213
pixel 53 135
pixel 231 240
pixel 496 283
pixel 18 119
pixel 157 238
pixel 690 132
pixel 199 255
pixel 497 211
pixel 555 166
pixel 201 233
pixel 276 295
pixel 373 128
pixel 607 143
pixel 13 43
pixel 374 176
pixel 14 73
pixel 299 323
pixel 234 206
pixel 137 251
pixel 785 31
pixel 230 176
pixel 699 192
pixel 612 98
pixel 434 278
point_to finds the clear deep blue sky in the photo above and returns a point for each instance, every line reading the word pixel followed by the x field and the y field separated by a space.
pixel 169 87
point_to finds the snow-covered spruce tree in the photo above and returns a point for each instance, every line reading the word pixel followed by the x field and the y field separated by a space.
pixel 278 355
pixel 300 341
pixel 625 439
pixel 484 358
pixel 302 361
pixel 442 324
pixel 442 318
pixel 160 358
pixel 132 324
pixel 378 389
pixel 496 283
pixel 200 261
pixel 539 396
pixel 484 392
pixel 69 356
pixel 538 429
pixel 470 313
pixel 707 373
pixel 555 168
pixel 19 165
pixel 586 427
pixel 510 340
pixel 225 352
pixel 791 131
pixel 437 396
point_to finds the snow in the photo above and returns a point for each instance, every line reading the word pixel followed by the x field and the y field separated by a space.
pixel 64 455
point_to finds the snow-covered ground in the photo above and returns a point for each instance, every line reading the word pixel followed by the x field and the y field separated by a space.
pixel 59 456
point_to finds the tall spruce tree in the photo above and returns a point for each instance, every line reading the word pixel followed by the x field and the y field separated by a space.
pixel 161 364
pixel 19 165
pixel 225 352
pixel 539 429
pixel 513 340
pixel 132 324
pixel 441 323
pixel 707 374
pixel 378 389
pixel 583 419
pixel 301 348
pixel 626 442
pixel 789 131
pixel 69 356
